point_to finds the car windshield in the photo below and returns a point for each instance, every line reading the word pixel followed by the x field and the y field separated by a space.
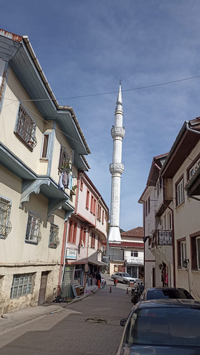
pixel 168 293
pixel 126 275
pixel 170 326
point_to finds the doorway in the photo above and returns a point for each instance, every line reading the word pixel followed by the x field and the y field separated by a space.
pixel 43 286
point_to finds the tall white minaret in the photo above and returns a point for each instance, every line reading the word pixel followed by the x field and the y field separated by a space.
pixel 116 169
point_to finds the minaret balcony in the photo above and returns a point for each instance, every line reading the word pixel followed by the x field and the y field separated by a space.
pixel 117 132
pixel 116 168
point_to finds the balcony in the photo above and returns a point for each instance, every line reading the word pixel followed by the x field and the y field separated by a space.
pixel 160 238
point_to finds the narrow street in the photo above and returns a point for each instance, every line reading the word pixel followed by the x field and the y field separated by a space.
pixel 90 326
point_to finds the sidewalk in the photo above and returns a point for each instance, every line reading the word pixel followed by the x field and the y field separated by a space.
pixel 9 321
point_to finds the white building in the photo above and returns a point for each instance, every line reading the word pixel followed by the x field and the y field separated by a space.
pixel 171 214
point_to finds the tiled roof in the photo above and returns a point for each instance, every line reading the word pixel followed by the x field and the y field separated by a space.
pixel 136 232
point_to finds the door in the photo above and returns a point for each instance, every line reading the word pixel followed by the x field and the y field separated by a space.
pixel 67 280
pixel 43 285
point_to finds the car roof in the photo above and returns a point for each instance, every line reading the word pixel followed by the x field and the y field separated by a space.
pixel 169 303
pixel 164 288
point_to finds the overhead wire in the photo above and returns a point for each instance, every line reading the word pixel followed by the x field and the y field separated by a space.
pixel 114 92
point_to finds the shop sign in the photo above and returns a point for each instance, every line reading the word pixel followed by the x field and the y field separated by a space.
pixel 71 254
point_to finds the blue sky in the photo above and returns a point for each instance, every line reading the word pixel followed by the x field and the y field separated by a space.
pixel 87 47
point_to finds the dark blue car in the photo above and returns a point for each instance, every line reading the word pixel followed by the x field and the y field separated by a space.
pixel 162 327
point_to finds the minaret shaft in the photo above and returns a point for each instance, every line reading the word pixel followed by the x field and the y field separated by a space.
pixel 116 169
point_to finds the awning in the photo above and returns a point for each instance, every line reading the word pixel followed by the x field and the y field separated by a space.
pixel 98 263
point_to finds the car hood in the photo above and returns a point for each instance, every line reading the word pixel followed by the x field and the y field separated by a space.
pixel 157 350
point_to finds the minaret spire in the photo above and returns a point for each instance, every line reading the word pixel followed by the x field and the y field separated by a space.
pixel 116 169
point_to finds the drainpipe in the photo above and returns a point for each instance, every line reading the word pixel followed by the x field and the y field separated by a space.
pixel 62 261
pixel 173 245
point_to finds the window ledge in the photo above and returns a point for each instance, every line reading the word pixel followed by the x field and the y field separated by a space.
pixel 31 242
pixel 180 204
pixel 42 160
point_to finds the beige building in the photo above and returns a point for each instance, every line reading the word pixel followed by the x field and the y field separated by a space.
pixel 42 149
pixel 171 207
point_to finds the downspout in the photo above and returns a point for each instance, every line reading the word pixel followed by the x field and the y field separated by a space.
pixel 62 261
pixel 173 244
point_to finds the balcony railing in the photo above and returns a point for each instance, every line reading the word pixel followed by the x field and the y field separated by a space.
pixel 116 257
pixel 160 238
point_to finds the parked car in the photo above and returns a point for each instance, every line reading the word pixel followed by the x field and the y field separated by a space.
pixel 164 292
pixel 114 276
pixel 163 326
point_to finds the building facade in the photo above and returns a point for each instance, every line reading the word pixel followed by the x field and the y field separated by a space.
pixel 174 239
pixel 129 255
pixel 86 236
pixel 42 149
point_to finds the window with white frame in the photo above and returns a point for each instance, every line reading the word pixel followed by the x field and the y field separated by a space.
pixel 182 255
pixel 134 253
pixel 180 192
pixel 22 285
pixel 54 236
pixel 198 251
pixel 45 146
pixel 5 224
pixel 33 234
pixel 25 128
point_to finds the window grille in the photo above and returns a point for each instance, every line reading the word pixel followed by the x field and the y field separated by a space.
pixel 66 159
pixel 21 285
pixel 33 234
pixel 54 239
pixel 25 128
pixel 5 224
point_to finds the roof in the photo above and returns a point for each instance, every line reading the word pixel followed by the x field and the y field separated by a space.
pixel 152 179
pixel 185 142
pixel 134 233
pixel 169 303
pixel 17 50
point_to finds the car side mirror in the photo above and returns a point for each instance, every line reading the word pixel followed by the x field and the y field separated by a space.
pixel 123 322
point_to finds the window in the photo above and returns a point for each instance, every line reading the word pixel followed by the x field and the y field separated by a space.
pixel 25 128
pixel 81 185
pixel 45 145
pixel 33 234
pixel 5 224
pixel 169 217
pixel 131 252
pixel 21 285
pixel 87 199
pixel 72 232
pixel 91 204
pixel 53 238
pixel 135 254
pixel 103 217
pixel 93 241
pixel 66 158
pixel 179 192
pixel 99 213
pixel 181 253
pixel 149 205
pixel 75 232
pixel 193 167
pixel 94 210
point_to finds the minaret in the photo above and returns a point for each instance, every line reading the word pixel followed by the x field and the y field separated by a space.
pixel 116 169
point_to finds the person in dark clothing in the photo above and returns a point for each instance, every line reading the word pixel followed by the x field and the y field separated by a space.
pixel 98 277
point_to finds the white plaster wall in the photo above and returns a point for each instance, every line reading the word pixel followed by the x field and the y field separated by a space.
pixel 186 222
pixel 81 204
pixel 15 91
pixel 13 248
